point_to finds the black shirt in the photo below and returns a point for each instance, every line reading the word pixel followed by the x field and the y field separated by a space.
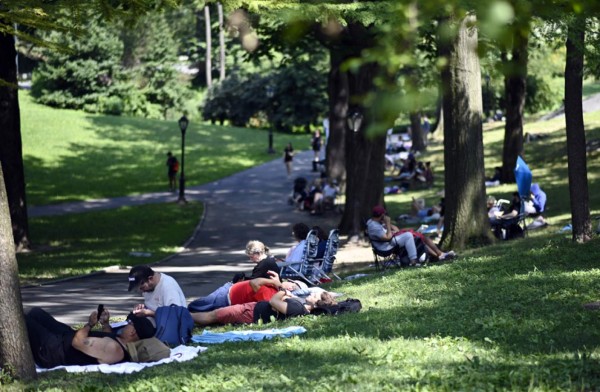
pixel 263 311
pixel 260 270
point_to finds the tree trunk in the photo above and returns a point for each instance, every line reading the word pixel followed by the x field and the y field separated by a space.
pixel 208 46
pixel 465 220
pixel 514 90
pixel 364 159
pixel 15 354
pixel 11 155
pixel 338 112
pixel 221 43
pixel 576 152
pixel 418 142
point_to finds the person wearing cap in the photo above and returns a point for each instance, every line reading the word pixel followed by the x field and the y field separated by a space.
pixel 158 289
pixel 384 235
pixel 54 343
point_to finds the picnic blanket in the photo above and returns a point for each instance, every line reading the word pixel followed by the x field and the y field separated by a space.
pixel 208 337
pixel 178 354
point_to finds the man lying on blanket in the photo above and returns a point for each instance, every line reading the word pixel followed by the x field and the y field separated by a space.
pixel 281 306
pixel 54 343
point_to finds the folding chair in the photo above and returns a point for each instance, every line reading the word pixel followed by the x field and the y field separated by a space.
pixel 302 269
pixel 383 259
pixel 326 264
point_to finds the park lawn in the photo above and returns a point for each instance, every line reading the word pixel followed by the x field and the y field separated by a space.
pixel 77 244
pixel 546 158
pixel 504 317
pixel 72 155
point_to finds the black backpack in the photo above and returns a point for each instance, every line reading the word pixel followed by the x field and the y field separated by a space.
pixel 350 305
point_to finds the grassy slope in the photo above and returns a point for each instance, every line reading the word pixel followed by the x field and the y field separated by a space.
pixel 504 317
pixel 72 155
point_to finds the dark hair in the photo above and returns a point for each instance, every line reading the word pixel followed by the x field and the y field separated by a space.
pixel 320 233
pixel 300 231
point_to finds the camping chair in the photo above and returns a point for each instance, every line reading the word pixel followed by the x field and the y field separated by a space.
pixel 302 269
pixel 326 264
pixel 384 259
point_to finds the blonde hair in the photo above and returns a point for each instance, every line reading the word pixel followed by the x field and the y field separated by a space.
pixel 256 246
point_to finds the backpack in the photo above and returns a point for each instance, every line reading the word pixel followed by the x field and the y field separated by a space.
pixel 350 305
pixel 176 166
pixel 174 325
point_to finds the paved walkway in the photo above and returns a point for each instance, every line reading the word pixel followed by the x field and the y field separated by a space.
pixel 248 205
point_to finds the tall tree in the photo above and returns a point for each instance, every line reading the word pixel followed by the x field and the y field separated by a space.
pixel 465 220
pixel 515 81
pixel 208 62
pixel 11 158
pixel 221 43
pixel 576 152
pixel 15 355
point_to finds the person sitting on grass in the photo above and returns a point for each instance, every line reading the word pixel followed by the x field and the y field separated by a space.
pixel 54 343
pixel 258 254
pixel 430 246
pixel 281 306
pixel 158 289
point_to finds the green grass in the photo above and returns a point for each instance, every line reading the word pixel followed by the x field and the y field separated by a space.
pixel 77 244
pixel 547 160
pixel 71 155
pixel 505 317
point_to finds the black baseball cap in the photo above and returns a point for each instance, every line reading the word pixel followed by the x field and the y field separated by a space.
pixel 139 274
pixel 143 326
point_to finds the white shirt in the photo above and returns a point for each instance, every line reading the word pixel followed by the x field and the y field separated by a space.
pixel 166 292
pixel 376 231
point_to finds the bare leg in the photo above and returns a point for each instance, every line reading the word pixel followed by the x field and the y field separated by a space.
pixel 205 318
pixel 432 247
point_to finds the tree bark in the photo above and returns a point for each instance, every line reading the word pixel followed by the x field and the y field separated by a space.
pixel 208 61
pixel 418 142
pixel 15 354
pixel 11 155
pixel 465 220
pixel 221 43
pixel 364 159
pixel 338 112
pixel 515 81
pixel 576 152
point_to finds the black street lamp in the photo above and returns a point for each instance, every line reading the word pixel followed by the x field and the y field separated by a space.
pixel 488 97
pixel 183 124
pixel 270 94
pixel 355 121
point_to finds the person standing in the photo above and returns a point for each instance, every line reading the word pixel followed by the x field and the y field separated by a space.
pixel 426 127
pixel 288 157
pixel 316 146
pixel 172 169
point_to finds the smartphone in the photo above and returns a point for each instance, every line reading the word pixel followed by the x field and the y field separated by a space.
pixel 100 310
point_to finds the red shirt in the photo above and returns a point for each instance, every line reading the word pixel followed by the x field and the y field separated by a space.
pixel 241 293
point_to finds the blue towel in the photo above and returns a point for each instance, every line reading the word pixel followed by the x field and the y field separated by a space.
pixel 208 337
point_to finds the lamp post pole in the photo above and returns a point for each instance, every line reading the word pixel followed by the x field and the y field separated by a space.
pixel 183 124
pixel 270 94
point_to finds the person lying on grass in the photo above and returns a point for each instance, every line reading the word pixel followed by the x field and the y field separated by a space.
pixel 54 343
pixel 281 306
pixel 255 290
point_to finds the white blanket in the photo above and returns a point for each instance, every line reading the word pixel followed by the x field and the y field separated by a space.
pixel 178 354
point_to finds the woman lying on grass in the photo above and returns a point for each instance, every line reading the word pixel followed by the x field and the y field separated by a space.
pixel 281 306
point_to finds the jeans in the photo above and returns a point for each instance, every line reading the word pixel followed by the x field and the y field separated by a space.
pixel 215 300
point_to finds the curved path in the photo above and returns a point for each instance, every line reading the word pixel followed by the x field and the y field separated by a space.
pixel 248 205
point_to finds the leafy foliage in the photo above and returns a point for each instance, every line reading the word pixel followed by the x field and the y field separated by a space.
pixel 112 68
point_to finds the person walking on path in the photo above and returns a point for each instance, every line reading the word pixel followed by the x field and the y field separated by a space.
pixel 288 157
pixel 172 169
pixel 316 147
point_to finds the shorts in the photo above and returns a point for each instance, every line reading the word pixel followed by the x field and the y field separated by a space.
pixel 236 314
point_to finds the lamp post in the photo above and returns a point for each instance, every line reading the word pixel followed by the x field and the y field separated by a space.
pixel 488 98
pixel 355 121
pixel 183 124
pixel 270 94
